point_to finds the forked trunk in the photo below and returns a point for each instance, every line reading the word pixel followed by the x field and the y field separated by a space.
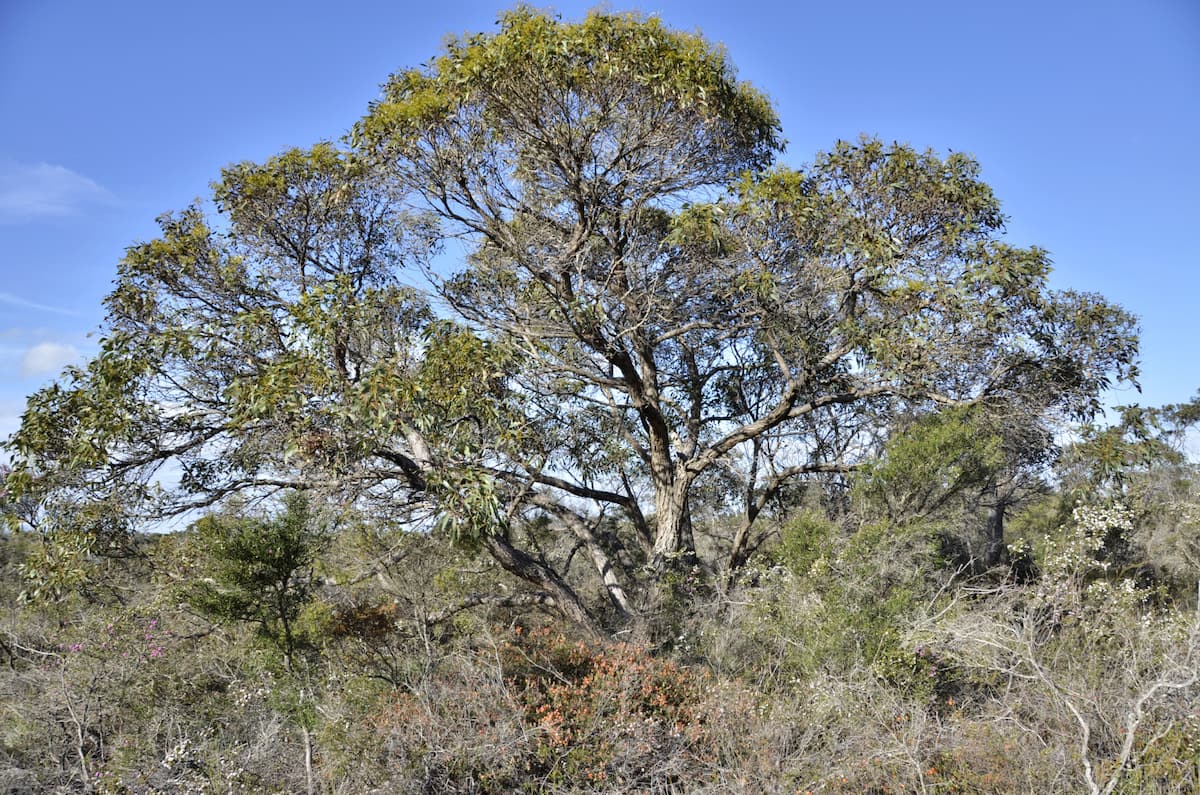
pixel 674 544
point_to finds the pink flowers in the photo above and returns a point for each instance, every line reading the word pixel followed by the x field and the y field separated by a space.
pixel 145 643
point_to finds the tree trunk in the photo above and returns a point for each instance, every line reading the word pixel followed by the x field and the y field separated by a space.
pixel 534 571
pixel 308 771
pixel 995 550
pixel 674 544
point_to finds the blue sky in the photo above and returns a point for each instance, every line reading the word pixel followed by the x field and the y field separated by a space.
pixel 1084 114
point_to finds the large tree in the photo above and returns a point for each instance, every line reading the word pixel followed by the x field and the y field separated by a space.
pixel 556 290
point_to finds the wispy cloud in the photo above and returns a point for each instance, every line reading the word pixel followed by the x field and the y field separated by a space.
pixel 14 300
pixel 29 191
pixel 46 358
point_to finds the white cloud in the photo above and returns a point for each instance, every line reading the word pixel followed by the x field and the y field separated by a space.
pixel 38 190
pixel 46 358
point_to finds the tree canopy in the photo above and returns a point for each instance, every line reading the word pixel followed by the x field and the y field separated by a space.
pixel 555 295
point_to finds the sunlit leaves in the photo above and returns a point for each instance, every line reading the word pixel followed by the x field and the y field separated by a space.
pixel 645 306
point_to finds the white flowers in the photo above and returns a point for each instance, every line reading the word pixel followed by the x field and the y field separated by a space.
pixel 177 754
pixel 1077 554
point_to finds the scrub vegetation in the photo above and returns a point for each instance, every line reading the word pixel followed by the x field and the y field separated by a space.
pixel 549 434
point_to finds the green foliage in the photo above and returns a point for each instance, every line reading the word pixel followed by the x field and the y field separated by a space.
pixel 252 341
pixel 835 602
pixel 935 459
pixel 1086 640
pixel 1140 461
pixel 260 571
pixel 656 345
pixel 849 665
pixel 1106 458
pixel 59 566
pixel 806 543
pixel 652 329
pixel 1168 761
pixel 608 62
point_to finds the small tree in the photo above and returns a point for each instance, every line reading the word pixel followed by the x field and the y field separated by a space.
pixel 261 572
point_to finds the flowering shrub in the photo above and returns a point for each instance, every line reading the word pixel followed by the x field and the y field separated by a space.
pixel 1102 665
pixel 133 638
pixel 1081 583
pixel 1086 550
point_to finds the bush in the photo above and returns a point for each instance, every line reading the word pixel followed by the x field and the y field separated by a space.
pixel 540 712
